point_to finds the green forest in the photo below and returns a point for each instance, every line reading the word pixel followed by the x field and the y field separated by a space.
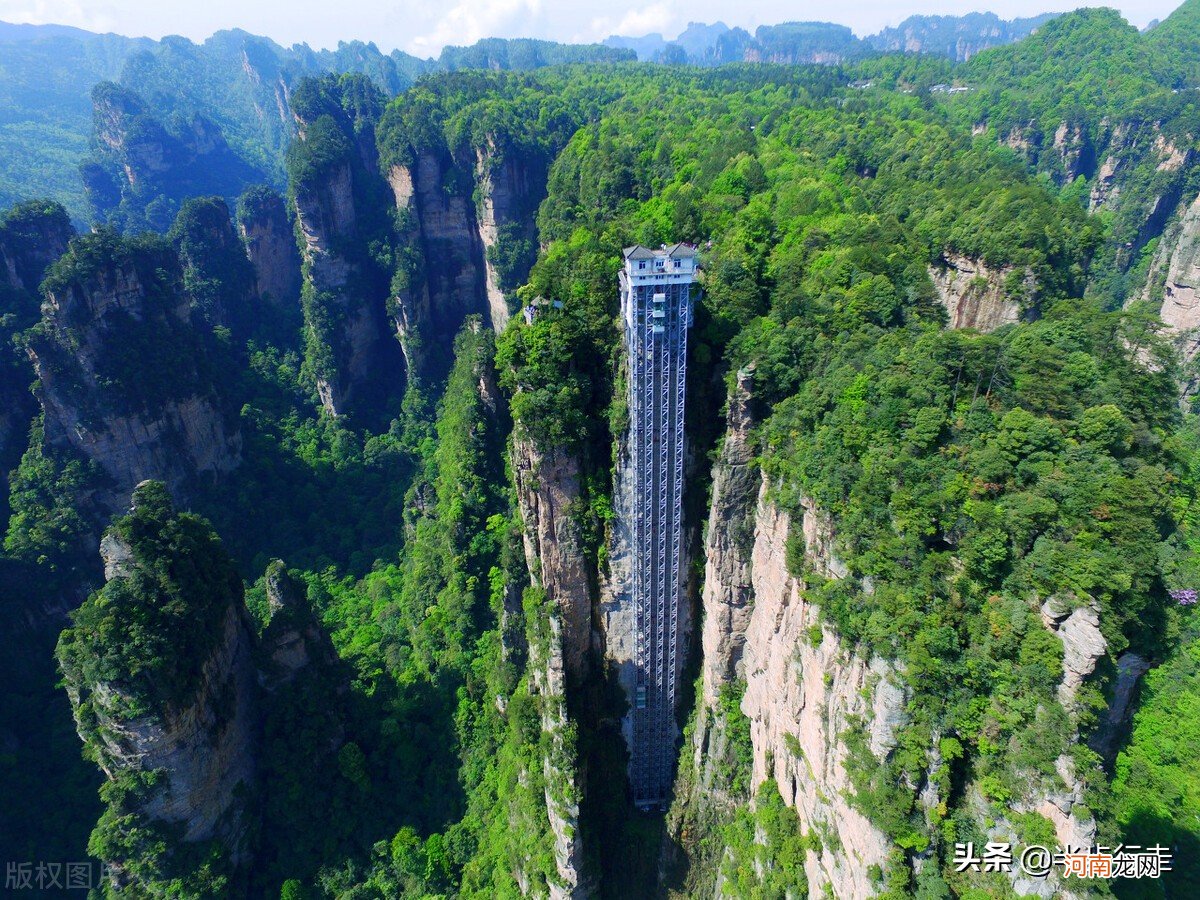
pixel 343 405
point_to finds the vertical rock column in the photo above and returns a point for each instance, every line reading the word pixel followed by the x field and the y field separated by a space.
pixel 159 669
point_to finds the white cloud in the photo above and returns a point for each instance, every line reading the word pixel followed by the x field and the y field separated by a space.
pixel 91 16
pixel 470 20
pixel 658 17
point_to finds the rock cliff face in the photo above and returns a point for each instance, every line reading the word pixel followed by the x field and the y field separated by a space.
pixel 32 236
pixel 728 594
pixel 802 690
pixel 204 753
pixel 461 239
pixel 705 794
pixel 974 295
pixel 1137 168
pixel 1060 798
pixel 1176 267
pixel 218 279
pixel 442 225
pixel 548 680
pixel 1106 187
pixel 181 737
pixel 958 37
pixel 143 170
pixel 547 488
pixel 293 639
pixel 618 616
pixel 346 321
pixel 351 354
pixel 1130 668
pixel 1073 150
pixel 265 229
pixel 509 193
pixel 105 326
pixel 1083 642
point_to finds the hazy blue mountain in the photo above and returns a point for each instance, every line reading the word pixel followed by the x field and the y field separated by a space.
pixel 958 37
pixel 234 80
pixel 238 83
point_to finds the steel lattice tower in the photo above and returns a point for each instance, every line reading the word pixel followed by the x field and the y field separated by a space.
pixel 656 301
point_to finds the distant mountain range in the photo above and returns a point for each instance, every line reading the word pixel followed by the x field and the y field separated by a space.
pixel 957 37
pixel 240 82
pixel 235 80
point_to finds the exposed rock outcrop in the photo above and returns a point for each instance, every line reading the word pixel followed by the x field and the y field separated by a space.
pixel 547 491
pixel 618 614
pixel 976 296
pixel 728 595
pixel 293 639
pixel 1105 189
pixel 1074 152
pixel 548 682
pixel 118 367
pixel 469 213
pixel 218 279
pixel 1060 798
pixel 705 795
pixel 32 236
pixel 168 708
pixel 442 223
pixel 559 641
pixel 351 325
pixel 1130 668
pixel 1025 139
pixel 1083 642
pixel 802 692
pixel 205 755
pixel 265 229
pixel 143 169
pixel 510 185
pixel 958 37
pixel 1062 806
pixel 1176 267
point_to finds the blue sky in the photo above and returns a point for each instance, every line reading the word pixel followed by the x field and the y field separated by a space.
pixel 423 27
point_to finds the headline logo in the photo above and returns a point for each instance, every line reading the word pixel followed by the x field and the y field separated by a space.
pixel 1122 861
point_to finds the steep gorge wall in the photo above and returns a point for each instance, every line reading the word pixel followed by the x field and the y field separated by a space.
pixel 458 208
pixel 803 693
pixel 124 312
pixel 510 187
pixel 974 295
pixel 264 227
pixel 1174 281
pixel 441 224
pixel 30 240
pixel 547 484
pixel 548 680
pixel 345 319
pixel 802 689
pixel 547 491
pixel 1138 169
